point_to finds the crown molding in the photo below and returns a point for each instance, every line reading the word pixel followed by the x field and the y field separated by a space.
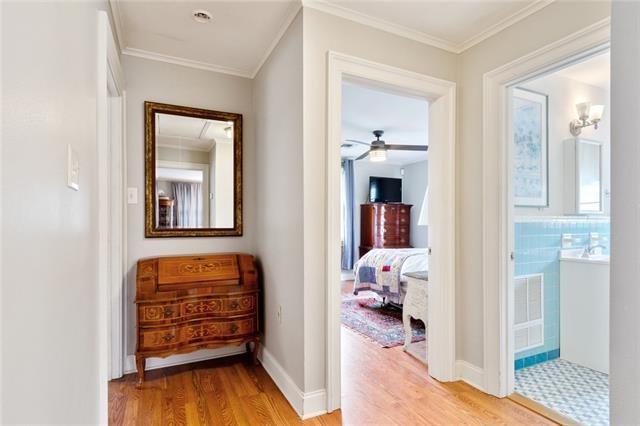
pixel 117 20
pixel 410 33
pixel 293 12
pixel 154 56
pixel 332 9
pixel 381 24
pixel 505 23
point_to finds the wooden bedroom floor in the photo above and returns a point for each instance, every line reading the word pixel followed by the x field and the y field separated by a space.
pixel 379 386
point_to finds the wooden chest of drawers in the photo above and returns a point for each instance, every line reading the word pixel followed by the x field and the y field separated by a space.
pixel 384 226
pixel 188 303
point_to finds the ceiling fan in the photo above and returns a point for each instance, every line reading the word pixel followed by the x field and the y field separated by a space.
pixel 378 148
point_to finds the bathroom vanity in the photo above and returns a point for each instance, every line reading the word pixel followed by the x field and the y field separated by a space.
pixel 584 309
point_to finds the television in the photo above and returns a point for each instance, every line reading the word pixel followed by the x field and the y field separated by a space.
pixel 385 190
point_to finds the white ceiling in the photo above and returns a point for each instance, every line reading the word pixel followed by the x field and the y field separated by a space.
pixel 243 33
pixel 190 133
pixel 595 71
pixel 404 120
pixel 236 41
pixel 453 25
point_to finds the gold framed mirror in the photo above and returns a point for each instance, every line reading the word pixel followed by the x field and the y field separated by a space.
pixel 193 172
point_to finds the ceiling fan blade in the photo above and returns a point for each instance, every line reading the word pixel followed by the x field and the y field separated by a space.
pixel 408 147
pixel 357 141
pixel 363 155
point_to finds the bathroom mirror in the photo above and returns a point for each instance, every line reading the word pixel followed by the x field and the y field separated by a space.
pixel 589 176
pixel 193 167
pixel 583 177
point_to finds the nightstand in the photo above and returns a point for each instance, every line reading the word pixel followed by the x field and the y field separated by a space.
pixel 415 306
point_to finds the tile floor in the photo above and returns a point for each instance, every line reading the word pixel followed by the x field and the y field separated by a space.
pixel 576 392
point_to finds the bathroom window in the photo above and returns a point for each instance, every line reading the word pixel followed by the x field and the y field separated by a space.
pixel 528 312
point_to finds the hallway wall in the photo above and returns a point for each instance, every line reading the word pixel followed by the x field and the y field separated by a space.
pixel 49 313
pixel 149 80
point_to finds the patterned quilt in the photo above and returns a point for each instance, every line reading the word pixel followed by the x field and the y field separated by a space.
pixel 380 270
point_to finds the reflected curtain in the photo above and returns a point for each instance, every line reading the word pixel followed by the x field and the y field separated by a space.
pixel 348 233
pixel 188 197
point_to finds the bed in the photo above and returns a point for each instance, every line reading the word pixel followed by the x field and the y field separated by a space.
pixel 382 271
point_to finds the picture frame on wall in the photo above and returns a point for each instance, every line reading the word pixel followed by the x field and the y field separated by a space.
pixel 530 126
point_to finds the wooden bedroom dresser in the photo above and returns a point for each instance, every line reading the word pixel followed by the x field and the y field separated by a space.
pixel 384 226
pixel 186 303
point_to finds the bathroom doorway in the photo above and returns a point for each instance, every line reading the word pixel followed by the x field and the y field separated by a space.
pixel 560 239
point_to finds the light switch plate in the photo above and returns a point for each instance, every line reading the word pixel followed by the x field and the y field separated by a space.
pixel 73 169
pixel 132 195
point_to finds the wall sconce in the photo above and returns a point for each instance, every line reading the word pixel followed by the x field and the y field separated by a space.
pixel 588 115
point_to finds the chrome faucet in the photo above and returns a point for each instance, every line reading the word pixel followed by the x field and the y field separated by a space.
pixel 588 250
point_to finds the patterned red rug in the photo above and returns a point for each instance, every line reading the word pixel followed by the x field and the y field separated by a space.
pixel 383 326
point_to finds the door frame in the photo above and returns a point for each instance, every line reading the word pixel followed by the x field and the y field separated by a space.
pixel 497 210
pixel 110 198
pixel 442 133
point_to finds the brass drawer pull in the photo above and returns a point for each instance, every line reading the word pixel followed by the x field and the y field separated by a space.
pixel 168 337
pixel 168 312
pixel 234 305
pixel 233 328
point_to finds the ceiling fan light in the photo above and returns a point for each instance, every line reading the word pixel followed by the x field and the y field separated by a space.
pixel 377 155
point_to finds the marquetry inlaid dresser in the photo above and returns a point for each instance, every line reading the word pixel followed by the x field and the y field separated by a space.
pixel 186 303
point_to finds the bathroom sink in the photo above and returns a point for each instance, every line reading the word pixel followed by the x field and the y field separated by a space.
pixel 578 255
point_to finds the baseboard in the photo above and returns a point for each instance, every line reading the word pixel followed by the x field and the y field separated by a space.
pixel 470 374
pixel 306 405
pixel 201 355
pixel 315 404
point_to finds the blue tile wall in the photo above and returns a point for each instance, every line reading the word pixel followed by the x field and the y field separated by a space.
pixel 537 250
pixel 536 359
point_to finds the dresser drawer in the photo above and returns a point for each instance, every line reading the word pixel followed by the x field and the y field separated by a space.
pixel 396 231
pixel 195 332
pixel 152 314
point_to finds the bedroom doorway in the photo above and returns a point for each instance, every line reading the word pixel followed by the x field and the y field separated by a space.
pixel 364 183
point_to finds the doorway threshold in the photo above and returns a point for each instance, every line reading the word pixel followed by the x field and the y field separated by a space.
pixel 541 409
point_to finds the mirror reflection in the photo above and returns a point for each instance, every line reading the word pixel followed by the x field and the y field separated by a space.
pixel 589 162
pixel 194 172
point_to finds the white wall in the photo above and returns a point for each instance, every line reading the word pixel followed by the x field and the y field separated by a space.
pixel 182 155
pixel 414 186
pixel 625 227
pixel 49 232
pixel 564 94
pixel 362 171
pixel 173 84
pixel 279 244
pixel 558 20
pixel 365 42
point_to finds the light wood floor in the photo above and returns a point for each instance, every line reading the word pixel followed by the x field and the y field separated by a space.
pixel 379 386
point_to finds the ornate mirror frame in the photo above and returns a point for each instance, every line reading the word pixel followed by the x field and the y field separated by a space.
pixel 151 231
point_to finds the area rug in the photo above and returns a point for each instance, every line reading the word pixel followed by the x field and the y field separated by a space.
pixel 383 326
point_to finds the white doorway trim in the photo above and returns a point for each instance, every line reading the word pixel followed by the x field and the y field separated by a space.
pixel 111 177
pixel 497 211
pixel 441 95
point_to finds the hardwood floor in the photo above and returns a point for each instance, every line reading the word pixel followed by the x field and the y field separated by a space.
pixel 379 386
